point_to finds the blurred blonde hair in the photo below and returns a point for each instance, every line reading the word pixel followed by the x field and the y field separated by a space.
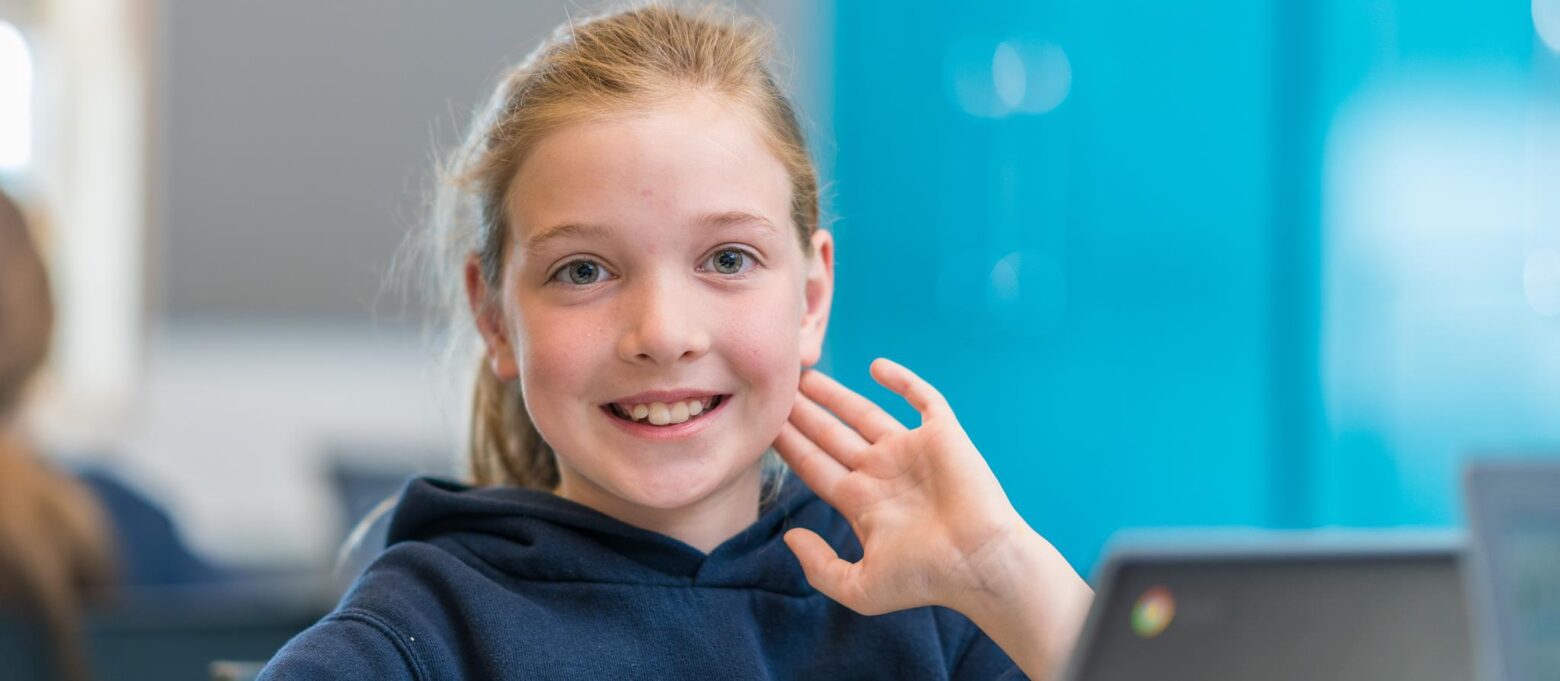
pixel 26 312
pixel 54 545
pixel 633 59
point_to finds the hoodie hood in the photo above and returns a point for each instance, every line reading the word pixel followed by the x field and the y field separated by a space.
pixel 535 535
pixel 511 583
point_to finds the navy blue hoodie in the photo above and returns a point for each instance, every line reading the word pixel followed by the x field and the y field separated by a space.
pixel 510 583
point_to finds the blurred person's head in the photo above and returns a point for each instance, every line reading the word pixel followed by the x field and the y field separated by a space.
pixel 658 143
pixel 26 313
pixel 54 548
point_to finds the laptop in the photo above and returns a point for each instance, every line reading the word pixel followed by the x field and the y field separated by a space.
pixel 1513 512
pixel 1279 609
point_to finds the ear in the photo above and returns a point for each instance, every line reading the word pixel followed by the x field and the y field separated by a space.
pixel 490 322
pixel 817 296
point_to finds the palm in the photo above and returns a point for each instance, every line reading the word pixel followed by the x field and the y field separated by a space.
pixel 922 501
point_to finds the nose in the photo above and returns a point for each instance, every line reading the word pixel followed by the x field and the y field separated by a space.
pixel 666 324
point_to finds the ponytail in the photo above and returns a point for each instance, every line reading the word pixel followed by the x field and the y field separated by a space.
pixel 506 448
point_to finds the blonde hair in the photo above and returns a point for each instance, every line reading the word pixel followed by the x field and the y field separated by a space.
pixel 633 59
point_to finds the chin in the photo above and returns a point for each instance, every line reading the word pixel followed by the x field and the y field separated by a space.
pixel 670 487
pixel 669 490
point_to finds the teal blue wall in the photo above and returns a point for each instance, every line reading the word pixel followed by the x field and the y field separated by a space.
pixel 1125 296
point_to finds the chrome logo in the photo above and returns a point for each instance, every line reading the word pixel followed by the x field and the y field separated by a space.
pixel 1153 612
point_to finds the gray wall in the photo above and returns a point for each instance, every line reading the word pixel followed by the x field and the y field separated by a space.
pixel 297 140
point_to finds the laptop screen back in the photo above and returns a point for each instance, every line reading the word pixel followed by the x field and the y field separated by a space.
pixel 1346 618
pixel 1514 528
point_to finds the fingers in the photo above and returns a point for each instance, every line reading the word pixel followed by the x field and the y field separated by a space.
pixel 819 471
pixel 825 570
pixel 913 388
pixel 859 412
pixel 836 439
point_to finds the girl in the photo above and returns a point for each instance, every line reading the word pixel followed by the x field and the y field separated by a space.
pixel 633 222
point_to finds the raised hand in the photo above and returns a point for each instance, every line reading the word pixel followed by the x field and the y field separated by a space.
pixel 934 524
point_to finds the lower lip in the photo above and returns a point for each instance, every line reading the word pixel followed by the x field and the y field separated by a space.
pixel 685 429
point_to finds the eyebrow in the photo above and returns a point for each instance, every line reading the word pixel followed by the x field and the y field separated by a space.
pixel 535 243
pixel 735 217
pixel 710 221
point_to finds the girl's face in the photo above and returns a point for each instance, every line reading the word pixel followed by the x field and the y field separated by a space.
pixel 655 252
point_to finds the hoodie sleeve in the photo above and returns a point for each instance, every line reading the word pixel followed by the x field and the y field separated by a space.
pixel 983 660
pixel 971 654
pixel 350 644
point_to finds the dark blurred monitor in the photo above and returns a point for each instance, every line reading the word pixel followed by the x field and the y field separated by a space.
pixel 1277 614
pixel 1514 577
pixel 175 633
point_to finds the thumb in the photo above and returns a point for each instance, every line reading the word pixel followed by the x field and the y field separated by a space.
pixel 825 571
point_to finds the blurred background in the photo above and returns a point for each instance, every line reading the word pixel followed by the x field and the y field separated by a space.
pixel 1285 263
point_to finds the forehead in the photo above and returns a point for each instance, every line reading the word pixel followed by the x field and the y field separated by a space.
pixel 659 172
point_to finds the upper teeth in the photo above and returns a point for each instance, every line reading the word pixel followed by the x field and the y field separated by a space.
pixel 662 413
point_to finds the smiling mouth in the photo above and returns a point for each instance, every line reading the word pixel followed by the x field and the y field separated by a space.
pixel 666 414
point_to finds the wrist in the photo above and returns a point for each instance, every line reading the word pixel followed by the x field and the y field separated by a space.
pixel 1017 562
pixel 1028 599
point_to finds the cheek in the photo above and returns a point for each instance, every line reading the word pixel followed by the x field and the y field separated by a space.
pixel 763 345
pixel 763 348
pixel 555 353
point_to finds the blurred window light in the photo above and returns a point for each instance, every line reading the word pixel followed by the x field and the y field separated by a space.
pixel 1439 278
pixel 989 79
pixel 1050 77
pixel 971 83
pixel 1007 75
pixel 16 74
pixel 1027 293
pixel 1546 20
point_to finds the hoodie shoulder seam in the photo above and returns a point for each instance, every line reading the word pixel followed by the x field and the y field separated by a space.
pixel 376 622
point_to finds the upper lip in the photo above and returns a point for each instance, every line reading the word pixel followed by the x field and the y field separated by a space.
pixel 664 396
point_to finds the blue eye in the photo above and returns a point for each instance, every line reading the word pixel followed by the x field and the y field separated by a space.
pixel 732 261
pixel 581 272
